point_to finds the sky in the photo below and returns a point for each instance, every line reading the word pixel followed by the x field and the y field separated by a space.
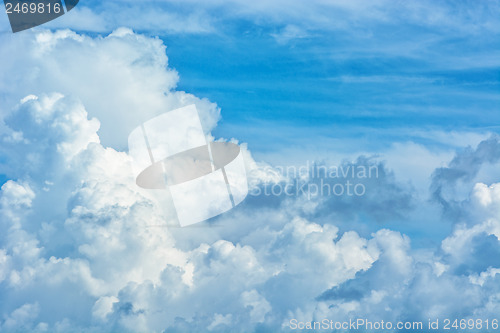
pixel 409 89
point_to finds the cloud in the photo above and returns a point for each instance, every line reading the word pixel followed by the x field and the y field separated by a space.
pixel 194 17
pixel 288 33
pixel 103 249
pixel 98 17
pixel 84 248
pixel 451 184
pixel 123 78
pixel 403 287
pixel 22 318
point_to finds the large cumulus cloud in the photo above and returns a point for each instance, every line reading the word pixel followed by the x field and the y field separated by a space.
pixel 122 78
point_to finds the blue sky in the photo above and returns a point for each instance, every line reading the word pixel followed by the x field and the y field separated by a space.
pixel 411 88
pixel 312 83
pixel 347 76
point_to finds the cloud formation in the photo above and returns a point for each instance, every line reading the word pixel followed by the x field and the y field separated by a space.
pixel 123 78
pixel 83 248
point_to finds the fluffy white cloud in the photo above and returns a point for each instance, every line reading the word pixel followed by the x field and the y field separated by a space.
pixel 122 79
pixel 452 184
pixel 108 250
